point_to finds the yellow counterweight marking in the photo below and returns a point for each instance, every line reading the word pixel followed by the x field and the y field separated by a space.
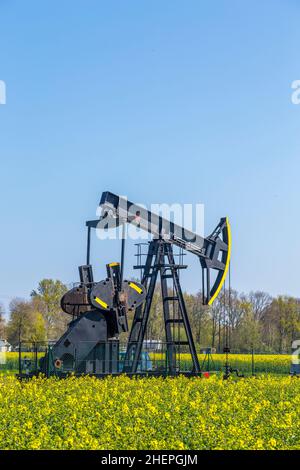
pixel 226 265
pixel 135 287
pixel 101 302
pixel 113 264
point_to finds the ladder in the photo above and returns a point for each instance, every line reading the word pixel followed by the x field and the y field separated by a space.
pixel 160 262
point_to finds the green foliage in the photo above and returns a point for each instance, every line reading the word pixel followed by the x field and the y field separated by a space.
pixel 48 296
pixel 26 322
pixel 252 321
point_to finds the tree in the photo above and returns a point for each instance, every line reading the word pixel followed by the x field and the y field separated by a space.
pixel 287 321
pixel 47 299
pixel 248 335
pixel 254 320
pixel 2 323
pixel 200 320
pixel 25 324
pixel 217 322
pixel 260 302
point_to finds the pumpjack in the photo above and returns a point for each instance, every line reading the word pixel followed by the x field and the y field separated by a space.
pixel 99 310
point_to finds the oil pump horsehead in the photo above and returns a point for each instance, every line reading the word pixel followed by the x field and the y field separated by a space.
pixel 99 310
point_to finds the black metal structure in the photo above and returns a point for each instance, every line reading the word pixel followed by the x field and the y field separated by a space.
pixel 160 262
pixel 213 251
pixel 99 309
pixel 228 370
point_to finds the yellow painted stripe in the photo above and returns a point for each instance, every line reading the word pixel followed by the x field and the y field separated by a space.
pixel 101 302
pixel 226 265
pixel 135 287
pixel 113 264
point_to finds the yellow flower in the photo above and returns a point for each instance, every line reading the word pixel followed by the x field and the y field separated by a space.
pixel 272 442
pixel 259 444
pixel 153 413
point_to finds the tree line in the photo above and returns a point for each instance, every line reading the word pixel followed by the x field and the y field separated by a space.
pixel 243 321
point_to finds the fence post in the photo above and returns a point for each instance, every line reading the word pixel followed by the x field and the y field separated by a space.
pixel 252 362
pixel 20 366
pixel 35 358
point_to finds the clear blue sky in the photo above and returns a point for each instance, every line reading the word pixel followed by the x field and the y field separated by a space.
pixel 165 101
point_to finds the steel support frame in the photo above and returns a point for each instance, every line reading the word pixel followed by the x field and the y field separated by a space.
pixel 159 251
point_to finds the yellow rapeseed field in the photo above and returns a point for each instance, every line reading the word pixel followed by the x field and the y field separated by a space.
pixel 263 363
pixel 152 413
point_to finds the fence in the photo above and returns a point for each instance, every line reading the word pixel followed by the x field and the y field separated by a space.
pixel 154 360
